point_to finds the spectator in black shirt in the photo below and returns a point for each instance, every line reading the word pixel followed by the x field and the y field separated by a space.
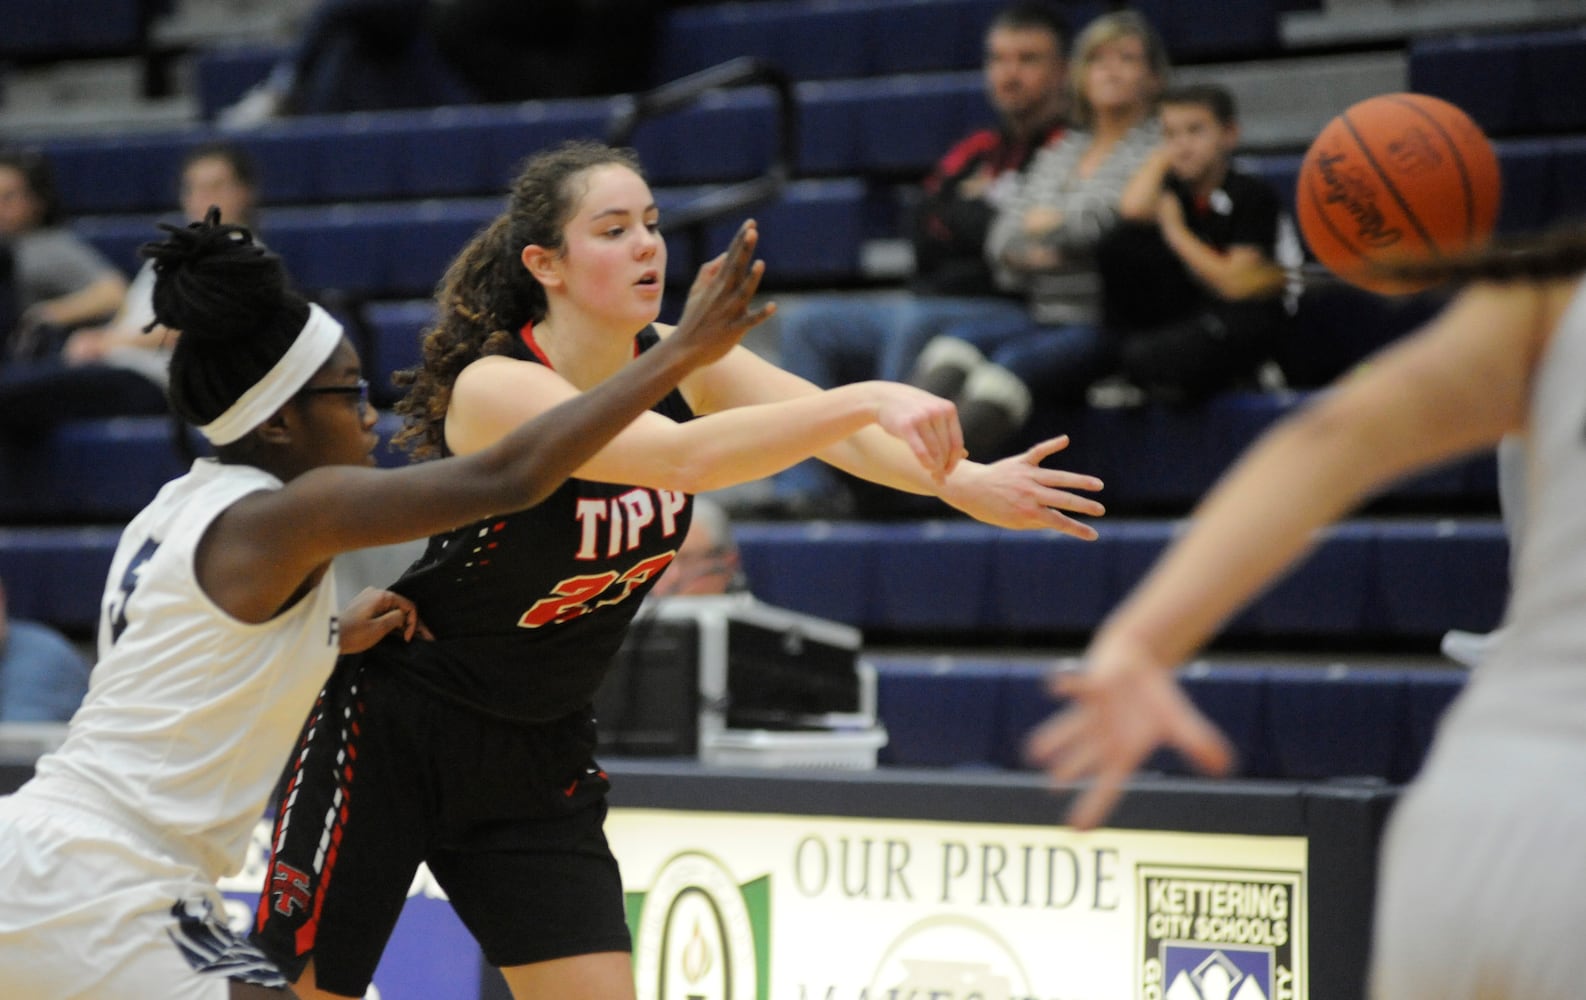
pixel 1194 286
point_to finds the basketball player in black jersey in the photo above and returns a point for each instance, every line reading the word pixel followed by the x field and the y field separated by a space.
pixel 474 752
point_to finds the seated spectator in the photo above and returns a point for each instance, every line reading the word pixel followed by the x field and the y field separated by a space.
pixel 43 677
pixel 835 339
pixel 506 50
pixel 119 369
pixel 1193 280
pixel 1043 243
pixel 376 55
pixel 707 562
pixel 57 281
pixel 354 55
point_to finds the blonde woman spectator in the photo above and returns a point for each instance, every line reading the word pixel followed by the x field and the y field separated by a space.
pixel 1043 242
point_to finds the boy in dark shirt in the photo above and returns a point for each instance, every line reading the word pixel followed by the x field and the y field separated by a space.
pixel 1194 283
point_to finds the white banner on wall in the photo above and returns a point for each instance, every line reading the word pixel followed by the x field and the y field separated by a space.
pixel 741 906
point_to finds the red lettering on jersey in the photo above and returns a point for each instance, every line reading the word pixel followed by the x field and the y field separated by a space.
pixel 289 889
pixel 650 567
pixel 577 596
pixel 573 599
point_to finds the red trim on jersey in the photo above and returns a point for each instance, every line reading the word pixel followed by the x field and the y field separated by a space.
pixel 283 812
pixel 527 336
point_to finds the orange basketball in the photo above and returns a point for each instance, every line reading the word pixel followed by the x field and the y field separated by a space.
pixel 1395 178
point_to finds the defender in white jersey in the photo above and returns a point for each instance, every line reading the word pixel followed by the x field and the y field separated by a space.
pixel 218 626
pixel 1493 826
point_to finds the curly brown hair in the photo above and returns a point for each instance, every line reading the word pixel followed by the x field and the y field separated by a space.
pixel 487 295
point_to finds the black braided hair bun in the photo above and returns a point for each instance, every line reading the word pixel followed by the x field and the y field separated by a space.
pixel 214 283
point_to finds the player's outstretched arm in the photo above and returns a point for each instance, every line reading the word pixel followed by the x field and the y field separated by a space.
pixel 337 508
pixel 1458 385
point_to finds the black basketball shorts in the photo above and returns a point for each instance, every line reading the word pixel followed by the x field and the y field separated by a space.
pixel 388 775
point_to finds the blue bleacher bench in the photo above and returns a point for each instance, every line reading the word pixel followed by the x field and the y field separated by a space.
pixel 1511 84
pixel 49 29
pixel 105 471
pixel 821 40
pixel 1286 721
pixel 814 233
pixel 1153 460
pixel 1368 580
pixel 1400 579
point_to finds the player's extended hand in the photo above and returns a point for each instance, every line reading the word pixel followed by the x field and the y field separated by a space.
pixel 1121 709
pixel 717 313
pixel 374 614
pixel 928 424
pixel 1017 492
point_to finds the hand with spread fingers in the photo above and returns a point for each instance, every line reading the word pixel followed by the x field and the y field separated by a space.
pixel 1119 710
pixel 1018 492
pixel 717 313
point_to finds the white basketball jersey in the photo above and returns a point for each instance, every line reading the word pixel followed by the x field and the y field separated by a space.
pixel 1535 678
pixel 190 713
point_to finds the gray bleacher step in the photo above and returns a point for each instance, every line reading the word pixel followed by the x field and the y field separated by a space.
pixel 115 82
pixel 87 96
pixel 1284 103
pixel 1351 22
pixel 948 657
pixel 93 119
pixel 201 23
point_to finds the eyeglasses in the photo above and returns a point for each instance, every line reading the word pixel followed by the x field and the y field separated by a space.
pixel 361 390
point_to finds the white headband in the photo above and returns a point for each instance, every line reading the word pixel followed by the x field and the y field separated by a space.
pixel 308 353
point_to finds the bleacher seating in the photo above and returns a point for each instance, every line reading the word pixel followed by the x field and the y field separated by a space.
pixel 47 29
pixel 1511 84
pixel 375 205
pixel 371 206
pixel 884 37
pixel 223 74
pixel 1285 721
pixel 1154 460
pixel 105 471
pixel 375 250
pixel 1388 581
pixel 57 574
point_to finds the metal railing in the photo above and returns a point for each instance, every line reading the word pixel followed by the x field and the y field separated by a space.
pixel 729 199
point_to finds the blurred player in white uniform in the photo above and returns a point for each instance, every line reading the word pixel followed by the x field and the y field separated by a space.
pixel 1482 867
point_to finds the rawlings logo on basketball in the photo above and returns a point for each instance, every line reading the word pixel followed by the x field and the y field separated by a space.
pixel 1413 153
pixel 1350 186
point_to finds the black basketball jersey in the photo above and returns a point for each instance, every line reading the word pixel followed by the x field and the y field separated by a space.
pixel 529 608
